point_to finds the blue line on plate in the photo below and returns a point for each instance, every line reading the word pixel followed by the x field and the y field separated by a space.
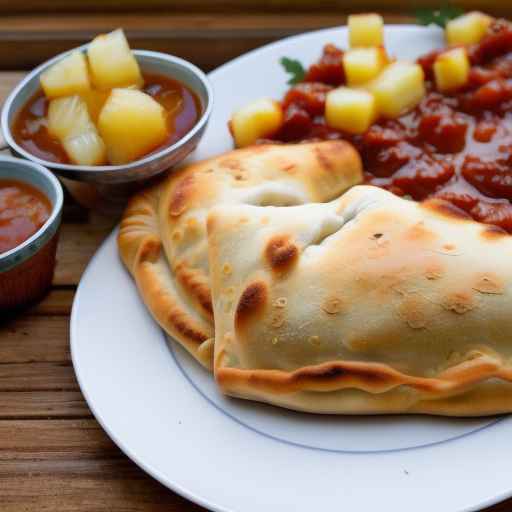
pixel 318 448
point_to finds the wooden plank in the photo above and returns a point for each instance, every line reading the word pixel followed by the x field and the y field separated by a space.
pixel 37 377
pixel 26 339
pixel 208 40
pixel 57 302
pixel 55 439
pixel 96 485
pixel 99 485
pixel 42 404
pixel 224 6
pixel 78 243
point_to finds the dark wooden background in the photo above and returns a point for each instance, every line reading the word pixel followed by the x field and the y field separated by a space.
pixel 53 454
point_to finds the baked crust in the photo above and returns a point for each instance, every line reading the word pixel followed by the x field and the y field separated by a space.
pixel 162 238
pixel 367 304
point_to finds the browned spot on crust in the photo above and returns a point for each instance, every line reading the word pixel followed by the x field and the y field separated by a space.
pixel 324 157
pixel 181 195
pixel 449 247
pixel 434 272
pixel 277 319
pixel 459 303
pixel 251 303
pixel 195 285
pixel 332 305
pixel 493 233
pixel 445 209
pixel 333 372
pixel 288 166
pixel 179 322
pixel 419 232
pixel 150 250
pixel 281 253
pixel 489 284
pixel 412 311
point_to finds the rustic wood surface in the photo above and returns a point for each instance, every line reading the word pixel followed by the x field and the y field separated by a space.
pixel 53 454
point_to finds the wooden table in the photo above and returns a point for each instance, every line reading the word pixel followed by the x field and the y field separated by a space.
pixel 53 454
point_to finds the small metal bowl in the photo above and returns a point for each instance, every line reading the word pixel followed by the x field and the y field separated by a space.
pixel 26 271
pixel 140 170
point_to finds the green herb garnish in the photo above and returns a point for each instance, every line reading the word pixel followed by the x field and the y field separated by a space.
pixel 439 16
pixel 294 68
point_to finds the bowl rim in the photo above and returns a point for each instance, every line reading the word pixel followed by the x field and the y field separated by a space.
pixel 53 219
pixel 9 139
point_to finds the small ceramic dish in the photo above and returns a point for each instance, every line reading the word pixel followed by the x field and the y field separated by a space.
pixel 139 170
pixel 26 271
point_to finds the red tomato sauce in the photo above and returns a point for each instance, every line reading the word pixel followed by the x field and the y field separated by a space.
pixel 182 105
pixel 457 147
pixel 23 210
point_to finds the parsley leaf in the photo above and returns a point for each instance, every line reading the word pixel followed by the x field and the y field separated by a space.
pixel 439 16
pixel 294 68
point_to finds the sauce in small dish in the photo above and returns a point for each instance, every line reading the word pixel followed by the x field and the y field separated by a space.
pixel 182 107
pixel 23 211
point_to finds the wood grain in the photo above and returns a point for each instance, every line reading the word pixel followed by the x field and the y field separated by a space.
pixel 57 302
pixel 207 40
pixel 94 485
pixel 26 339
pixel 78 243
pixel 224 6
pixel 21 405
pixel 58 439
pixel 37 377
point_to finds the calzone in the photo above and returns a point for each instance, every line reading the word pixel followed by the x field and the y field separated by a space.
pixel 368 304
pixel 162 239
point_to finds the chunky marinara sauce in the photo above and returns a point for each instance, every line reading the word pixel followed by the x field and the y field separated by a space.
pixel 457 147
pixel 182 105
pixel 23 210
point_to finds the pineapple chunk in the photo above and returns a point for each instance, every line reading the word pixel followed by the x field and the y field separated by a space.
pixel 69 121
pixel 259 119
pixel 400 87
pixel 350 110
pixel 365 30
pixel 66 77
pixel 132 124
pixel 112 63
pixel 363 64
pixel 95 100
pixel 86 149
pixel 451 69
pixel 68 117
pixel 467 29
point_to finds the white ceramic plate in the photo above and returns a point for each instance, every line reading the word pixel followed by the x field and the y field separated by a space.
pixel 164 411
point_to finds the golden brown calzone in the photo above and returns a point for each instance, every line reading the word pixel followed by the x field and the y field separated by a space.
pixel 162 238
pixel 367 304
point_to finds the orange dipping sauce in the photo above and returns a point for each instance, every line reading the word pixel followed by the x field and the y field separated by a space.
pixel 23 210
pixel 182 105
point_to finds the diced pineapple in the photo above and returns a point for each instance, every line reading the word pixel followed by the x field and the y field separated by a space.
pixel 132 124
pixel 451 69
pixel 400 87
pixel 365 30
pixel 95 100
pixel 350 110
pixel 69 121
pixel 467 29
pixel 259 119
pixel 66 77
pixel 68 117
pixel 112 63
pixel 363 64
pixel 86 149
